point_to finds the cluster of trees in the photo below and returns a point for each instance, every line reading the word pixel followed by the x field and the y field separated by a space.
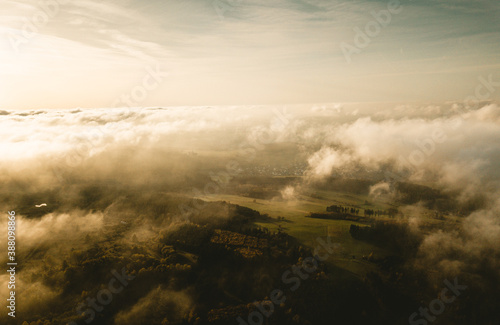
pixel 367 212
pixel 396 237
pixel 389 212
pixel 341 209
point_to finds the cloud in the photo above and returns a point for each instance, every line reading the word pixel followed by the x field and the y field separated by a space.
pixel 433 143
pixel 284 51
pixel 381 190
pixel 472 248
pixel 323 162
pixel 288 193
pixel 55 228
pixel 159 304
pixel 98 167
pixel 459 149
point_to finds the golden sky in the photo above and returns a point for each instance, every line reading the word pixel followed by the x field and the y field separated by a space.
pixel 87 53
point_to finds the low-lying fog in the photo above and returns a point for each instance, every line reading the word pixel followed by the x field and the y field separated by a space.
pixel 94 165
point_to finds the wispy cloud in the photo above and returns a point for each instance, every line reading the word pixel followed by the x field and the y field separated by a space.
pixel 291 46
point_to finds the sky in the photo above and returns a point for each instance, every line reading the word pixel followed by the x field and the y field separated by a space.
pixel 131 53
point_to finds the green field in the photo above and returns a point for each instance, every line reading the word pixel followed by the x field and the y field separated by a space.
pixel 307 230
